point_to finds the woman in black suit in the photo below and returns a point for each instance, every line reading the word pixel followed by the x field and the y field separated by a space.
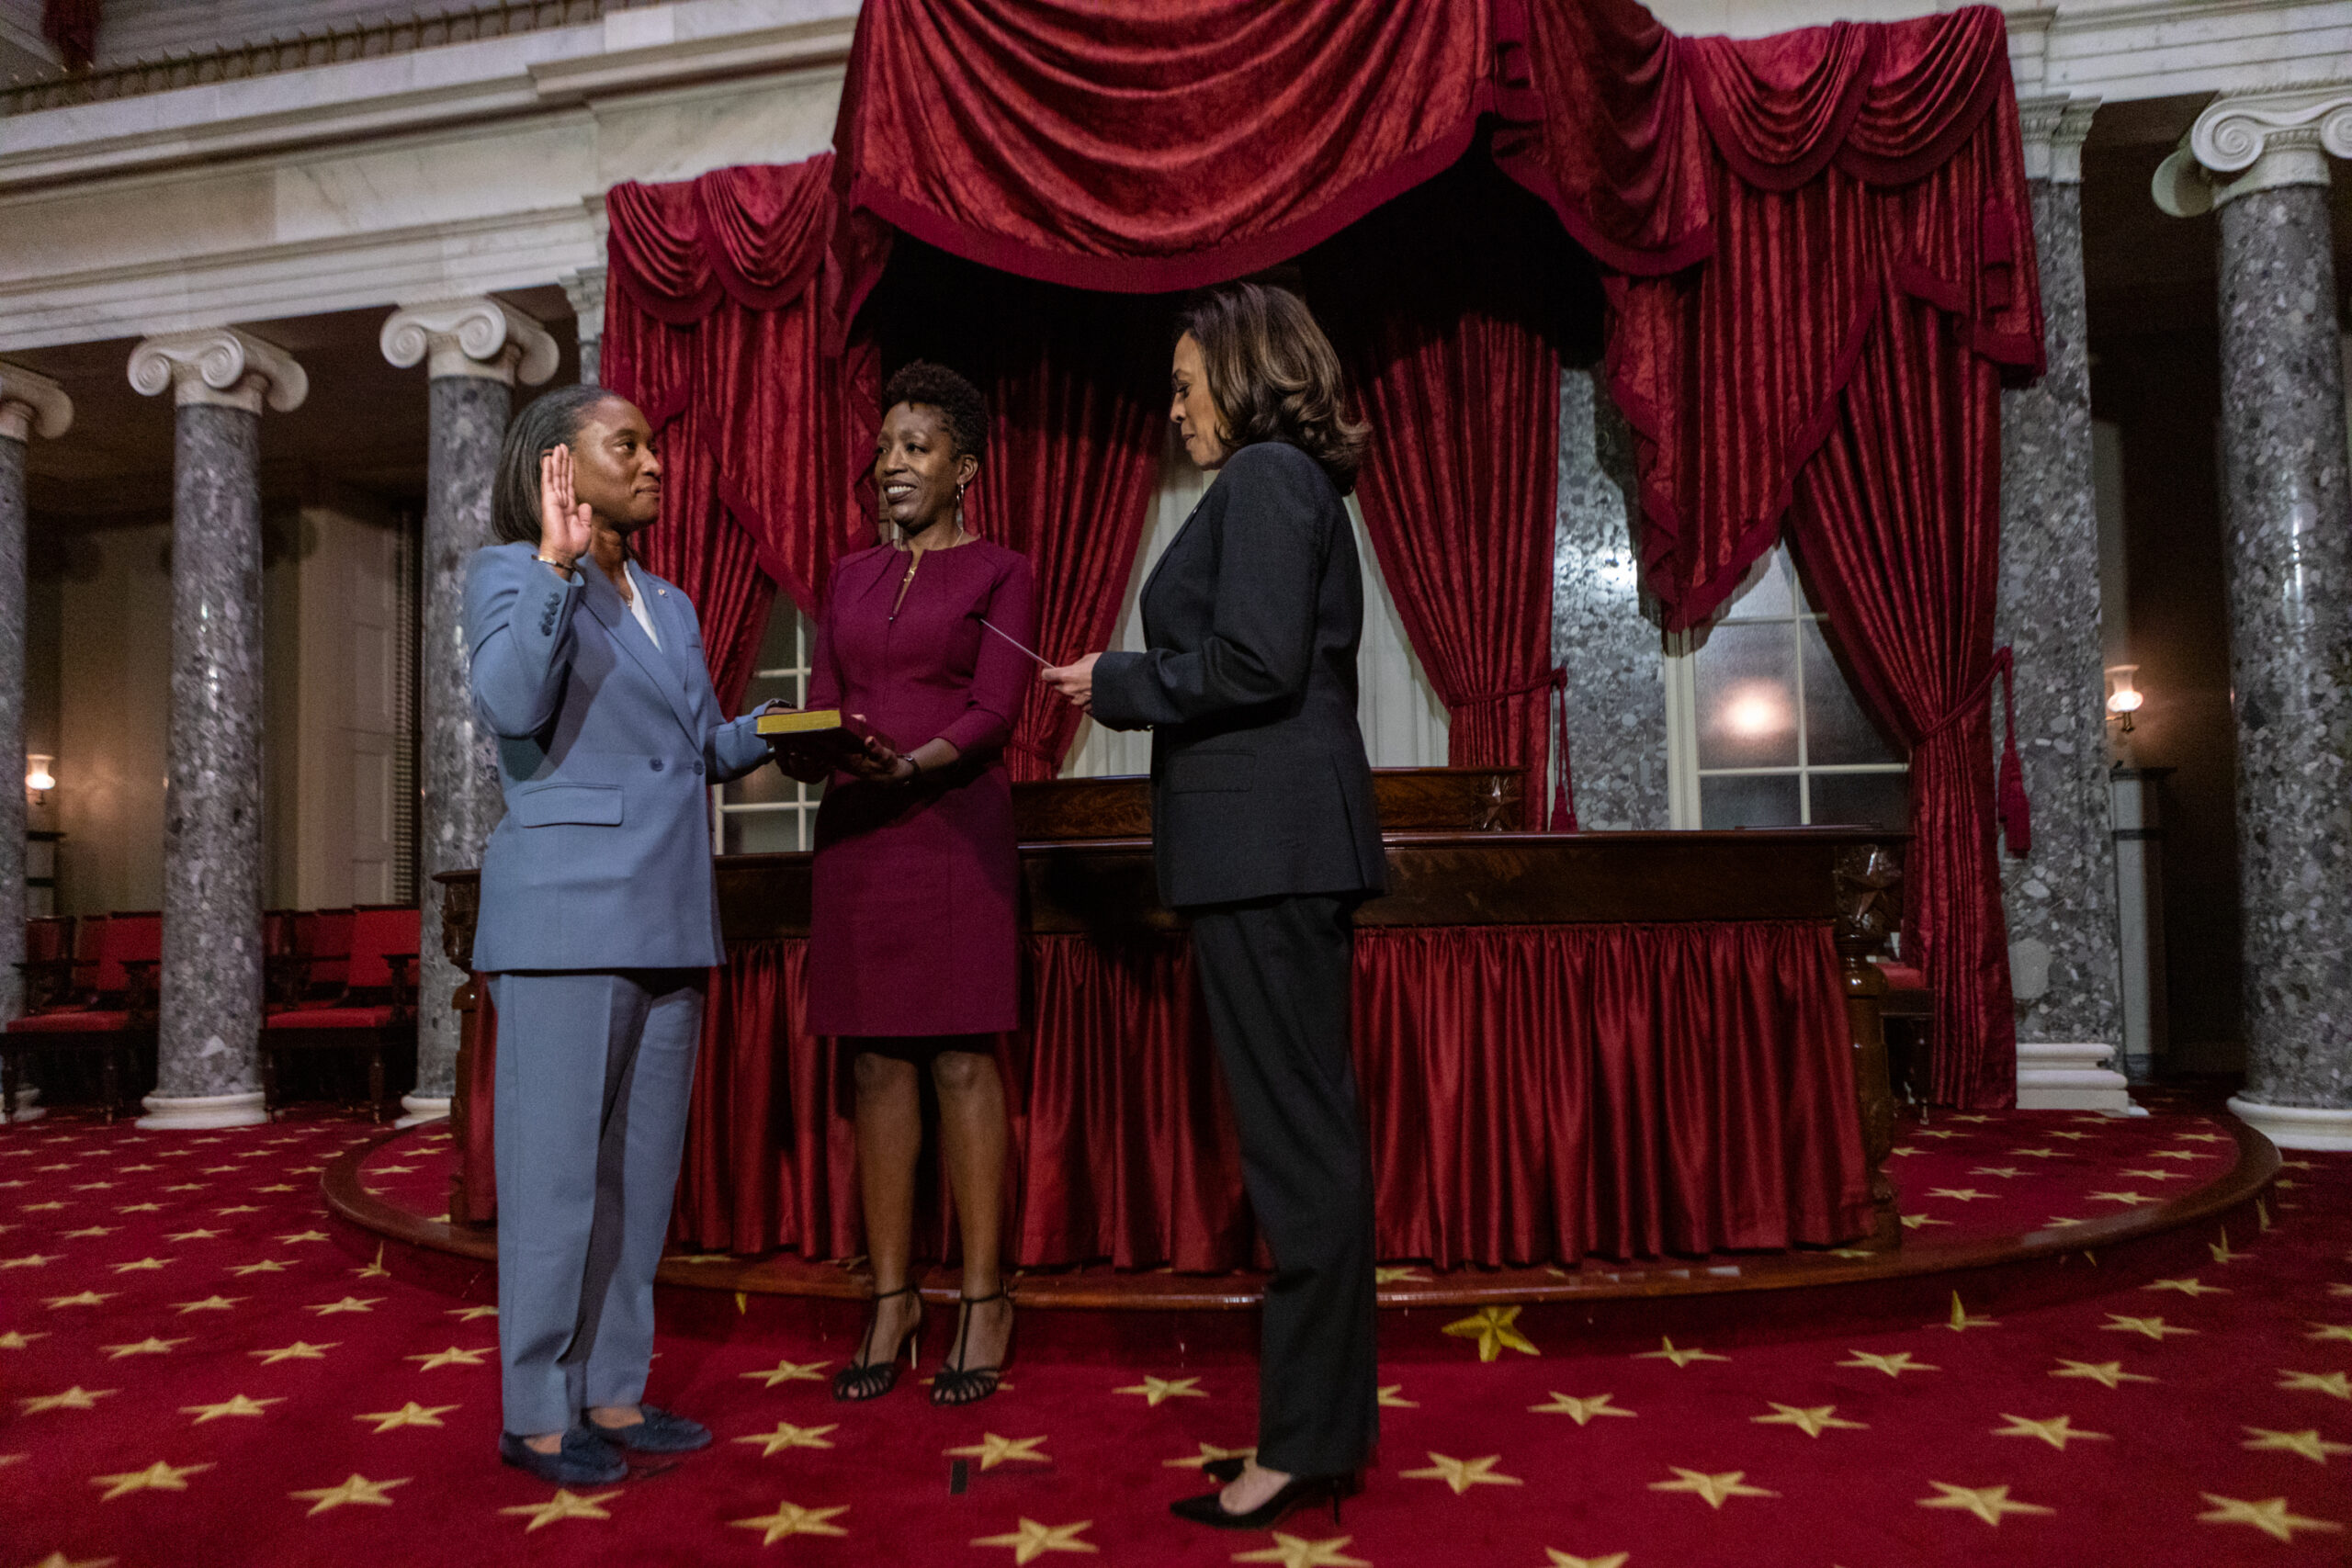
pixel 1265 835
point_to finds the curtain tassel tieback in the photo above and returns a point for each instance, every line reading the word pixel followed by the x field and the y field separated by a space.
pixel 1563 816
pixel 2010 807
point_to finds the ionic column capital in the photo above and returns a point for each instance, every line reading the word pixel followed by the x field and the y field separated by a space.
pixel 2256 142
pixel 32 405
pixel 481 338
pixel 2053 128
pixel 218 365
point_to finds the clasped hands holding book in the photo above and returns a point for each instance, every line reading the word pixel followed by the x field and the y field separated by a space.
pixel 811 744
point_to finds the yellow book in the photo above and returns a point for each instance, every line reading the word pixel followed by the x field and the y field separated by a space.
pixel 822 734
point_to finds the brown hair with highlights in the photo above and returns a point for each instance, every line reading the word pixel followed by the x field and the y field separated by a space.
pixel 1275 376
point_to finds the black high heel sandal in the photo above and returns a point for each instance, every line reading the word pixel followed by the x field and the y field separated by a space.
pixel 864 1380
pixel 969 1385
pixel 1298 1492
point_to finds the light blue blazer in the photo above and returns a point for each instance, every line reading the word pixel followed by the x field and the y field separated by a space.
pixel 607 749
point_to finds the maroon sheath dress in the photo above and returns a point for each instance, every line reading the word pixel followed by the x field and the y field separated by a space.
pixel 914 926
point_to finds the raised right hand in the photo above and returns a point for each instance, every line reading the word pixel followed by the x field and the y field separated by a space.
pixel 566 525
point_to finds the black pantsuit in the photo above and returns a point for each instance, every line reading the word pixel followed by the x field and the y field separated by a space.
pixel 1264 832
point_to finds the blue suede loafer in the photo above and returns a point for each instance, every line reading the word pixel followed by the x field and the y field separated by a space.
pixel 583 1460
pixel 660 1433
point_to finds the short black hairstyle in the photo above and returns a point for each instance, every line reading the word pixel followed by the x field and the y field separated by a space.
pixel 961 407
pixel 551 419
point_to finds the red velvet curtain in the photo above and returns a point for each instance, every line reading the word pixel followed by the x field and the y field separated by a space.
pixel 73 27
pixel 1444 325
pixel 1532 1094
pixel 713 325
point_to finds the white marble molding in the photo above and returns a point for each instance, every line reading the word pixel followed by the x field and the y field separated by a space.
pixel 2072 1076
pixel 2296 1126
pixel 32 405
pixel 200 1113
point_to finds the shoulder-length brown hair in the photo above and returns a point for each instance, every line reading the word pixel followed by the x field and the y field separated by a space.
pixel 1274 376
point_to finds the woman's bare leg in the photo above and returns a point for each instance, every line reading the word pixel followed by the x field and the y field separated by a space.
pixel 972 1142
pixel 889 1136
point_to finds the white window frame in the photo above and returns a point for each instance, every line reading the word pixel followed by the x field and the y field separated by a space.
pixel 1683 773
pixel 804 797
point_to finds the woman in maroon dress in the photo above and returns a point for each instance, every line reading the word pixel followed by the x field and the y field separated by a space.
pixel 913 949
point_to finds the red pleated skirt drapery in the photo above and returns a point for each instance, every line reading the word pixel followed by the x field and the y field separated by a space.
pixel 1532 1094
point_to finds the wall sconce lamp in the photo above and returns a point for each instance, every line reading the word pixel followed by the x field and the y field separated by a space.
pixel 38 780
pixel 2123 698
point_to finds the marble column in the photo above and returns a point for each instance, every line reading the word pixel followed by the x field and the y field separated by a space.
pixel 585 289
pixel 208 1052
pixel 2059 898
pixel 474 351
pixel 1601 636
pixel 29 405
pixel 2288 522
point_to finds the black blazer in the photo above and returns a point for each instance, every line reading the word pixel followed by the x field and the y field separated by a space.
pixel 1260 784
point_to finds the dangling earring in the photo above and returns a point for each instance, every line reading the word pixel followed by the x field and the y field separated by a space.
pixel 959 508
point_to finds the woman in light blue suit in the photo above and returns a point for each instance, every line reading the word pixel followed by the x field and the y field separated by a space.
pixel 598 922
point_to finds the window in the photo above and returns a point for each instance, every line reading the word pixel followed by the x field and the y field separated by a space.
pixel 765 812
pixel 1762 729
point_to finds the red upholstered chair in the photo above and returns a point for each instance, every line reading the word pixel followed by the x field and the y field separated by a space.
pixel 372 1010
pixel 1908 1012
pixel 48 968
pixel 107 1008
pixel 310 964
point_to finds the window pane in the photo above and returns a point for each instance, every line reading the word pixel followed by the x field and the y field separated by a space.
pixel 763 832
pixel 1748 707
pixel 764 785
pixel 776 646
pixel 1749 800
pixel 762 688
pixel 1836 730
pixel 1764 594
pixel 1873 800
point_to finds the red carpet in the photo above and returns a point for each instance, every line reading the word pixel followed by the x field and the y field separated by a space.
pixel 196 1369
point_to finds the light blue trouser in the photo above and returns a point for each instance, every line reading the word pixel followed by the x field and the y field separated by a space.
pixel 594 1074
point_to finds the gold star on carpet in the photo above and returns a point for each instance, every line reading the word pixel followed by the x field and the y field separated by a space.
pixel 2308 1443
pixel 2187 1287
pixel 1462 1474
pixel 156 1477
pixel 2270 1516
pixel 1959 1321
pixel 239 1209
pixel 1032 1541
pixel 452 1357
pixel 2339 1384
pixel 783 1371
pixel 409 1415
pixel 139 1265
pixel 1581 1410
pixel 85 1233
pixel 1902 1149
pixel 1969 1119
pixel 1569 1559
pixel 1925 1132
pixel 1296 1552
pixel 1391 1396
pixel 2178 1153
pixel 2156 1174
pixel 94 1186
pixel 264 1267
pixel 357 1488
pixel 86 1299
pixel 183 1187
pixel 565 1504
pixel 1997 1170
pixel 375 1270
pixel 1987 1503
pixel 2125 1198
pixel 59 1560
pixel 15 1340
pixel 1209 1453
pixel 390 1169
pixel 31 1260
pixel 2329 1331
pixel 1893 1366
pixel 279 1186
pixel 55 1203
pixel 1401 1273
pixel 1811 1420
pixel 192 1236
pixel 1961 1194
pixel 1493 1327
pixel 209 1303
pixel 348 1303
pixel 787 1436
pixel 1680 1358
pixel 1914 1221
pixel 2154 1327
pixel 992 1451
pixel 126 1209
pixel 2057 1432
pixel 2111 1373
pixel 235 1404
pixel 303 1236
pixel 2201 1138
pixel 791 1518
pixel 2036 1154
pixel 75 1398
pixel 151 1346
pixel 1157 1390
pixel 300 1350
pixel 466 1314
pixel 1714 1488
pixel 2067 1135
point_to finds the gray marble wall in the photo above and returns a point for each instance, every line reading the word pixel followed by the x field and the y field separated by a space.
pixel 2289 555
pixel 212 842
pixel 2059 898
pixel 1611 651
pixel 13 623
pixel 459 768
